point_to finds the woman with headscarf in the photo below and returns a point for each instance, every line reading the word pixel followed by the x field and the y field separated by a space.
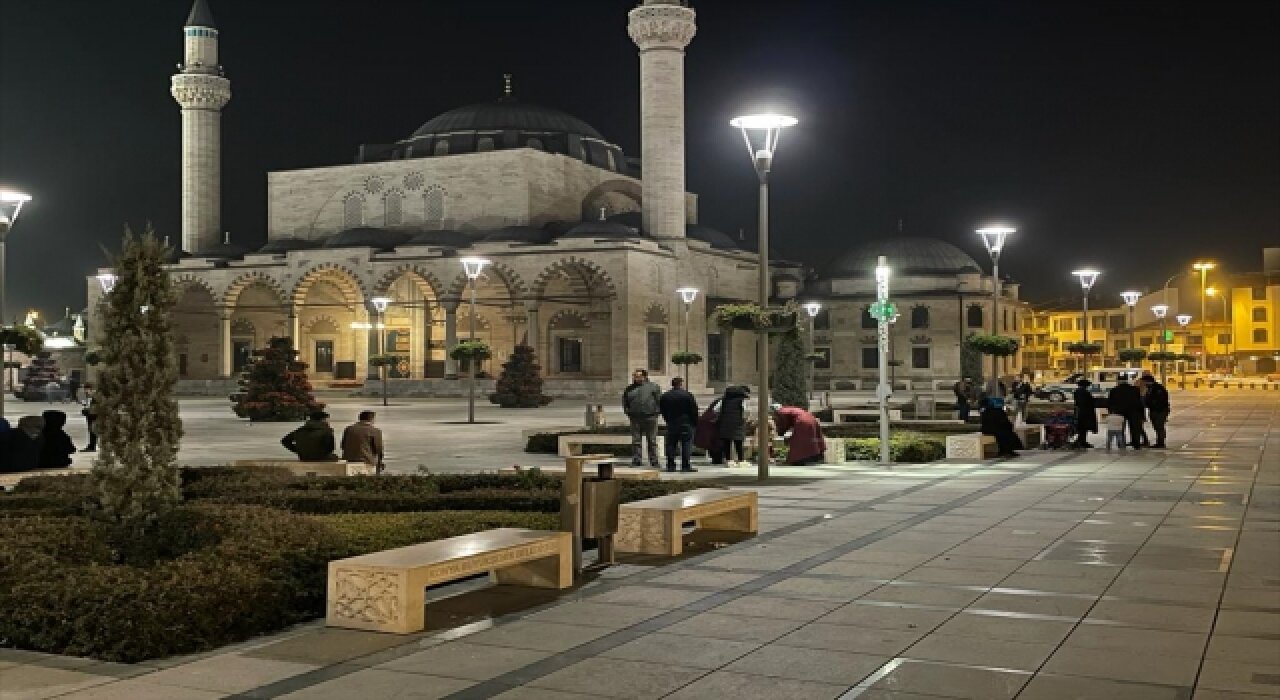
pixel 995 422
pixel 732 422
pixel 805 444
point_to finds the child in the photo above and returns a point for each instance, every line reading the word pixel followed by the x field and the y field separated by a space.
pixel 1115 429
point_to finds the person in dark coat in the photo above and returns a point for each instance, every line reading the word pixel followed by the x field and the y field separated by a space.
pixel 995 422
pixel 56 447
pixel 640 404
pixel 732 422
pixel 1086 412
pixel 5 431
pixel 707 436
pixel 314 441
pixel 1126 400
pixel 1157 400
pixel 22 446
pixel 680 412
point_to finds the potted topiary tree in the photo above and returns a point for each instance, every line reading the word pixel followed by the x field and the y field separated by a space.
pixel 471 353
pixel 1084 350
pixel 685 358
pixel 520 384
pixel 1132 355
pixel 750 317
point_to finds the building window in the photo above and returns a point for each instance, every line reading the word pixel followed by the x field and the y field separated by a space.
pixel 441 148
pixel 1121 345
pixel 715 358
pixel 1194 339
pixel 569 354
pixel 868 321
pixel 484 143
pixel 920 358
pixel 974 317
pixel 870 357
pixel 657 350
pixel 1258 293
pixel 1224 339
pixel 1259 335
pixel 824 361
pixel 920 317
pixel 1117 322
pixel 1078 323
pixel 393 201
pixel 534 143
pixel 822 321
pixel 433 206
pixel 353 211
pixel 1145 340
pixel 1098 323
pixel 1260 315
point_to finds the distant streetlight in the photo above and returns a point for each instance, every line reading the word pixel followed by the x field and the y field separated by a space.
pixel 1230 331
pixel 688 295
pixel 10 206
pixel 380 305
pixel 472 267
pixel 1184 320
pixel 760 132
pixel 1131 300
pixel 994 237
pixel 812 308
pixel 1087 276
pixel 1203 268
pixel 1161 311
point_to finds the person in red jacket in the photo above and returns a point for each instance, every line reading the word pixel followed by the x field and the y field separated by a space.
pixel 806 444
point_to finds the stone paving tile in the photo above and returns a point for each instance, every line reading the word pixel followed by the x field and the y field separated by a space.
pixel 942 596
pixel 326 645
pixel 466 661
pixel 1238 677
pixel 133 689
pixel 595 614
pixel 1013 629
pixel 23 682
pixel 537 635
pixel 678 650
pixel 379 683
pixel 979 651
pixel 1244 649
pixel 1135 665
pixel 807 664
pixel 704 577
pixel 619 678
pixel 530 693
pixel 1046 686
pixel 228 673
pixel 1036 604
pixel 649 596
pixel 814 588
pixel 775 607
pixel 1247 624
pixel 951 681
pixel 741 686
pixel 1168 617
pixel 1125 639
pixel 862 640
pixel 716 626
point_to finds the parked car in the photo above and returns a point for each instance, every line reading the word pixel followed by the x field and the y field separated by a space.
pixel 1100 382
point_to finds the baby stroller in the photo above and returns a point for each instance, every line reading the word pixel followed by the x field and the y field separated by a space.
pixel 1059 429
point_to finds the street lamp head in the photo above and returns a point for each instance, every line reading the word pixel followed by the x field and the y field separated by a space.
pixel 994 237
pixel 1203 266
pixel 1131 298
pixel 760 132
pixel 108 281
pixel 687 294
pixel 1087 277
pixel 1183 319
pixel 812 308
pixel 1211 291
pixel 1159 310
pixel 381 303
pixel 473 266
pixel 882 273
pixel 10 204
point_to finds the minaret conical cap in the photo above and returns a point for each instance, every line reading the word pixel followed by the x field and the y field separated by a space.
pixel 200 15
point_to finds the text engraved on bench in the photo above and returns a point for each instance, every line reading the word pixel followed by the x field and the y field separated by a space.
pixel 486 562
pixel 367 595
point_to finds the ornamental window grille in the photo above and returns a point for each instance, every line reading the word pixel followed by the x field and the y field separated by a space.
pixel 393 201
pixel 353 211
pixel 414 181
pixel 433 205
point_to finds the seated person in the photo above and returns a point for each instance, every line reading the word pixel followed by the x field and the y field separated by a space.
pixel 56 447
pixel 314 441
pixel 995 422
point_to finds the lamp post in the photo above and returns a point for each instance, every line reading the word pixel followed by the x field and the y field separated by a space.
pixel 883 312
pixel 1184 320
pixel 472 267
pixel 1131 300
pixel 994 237
pixel 687 295
pixel 1161 311
pixel 1203 268
pixel 766 128
pixel 1087 277
pixel 380 305
pixel 10 206
pixel 1227 355
pixel 812 308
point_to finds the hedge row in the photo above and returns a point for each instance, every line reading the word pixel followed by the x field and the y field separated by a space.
pixel 903 447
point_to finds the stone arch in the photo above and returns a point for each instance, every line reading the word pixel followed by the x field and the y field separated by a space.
pixel 568 318
pixel 583 273
pixel 343 277
pixel 242 326
pixel 232 293
pixel 413 320
pixel 321 323
pixel 182 282
pixel 195 323
pixel 426 277
pixel 516 287
pixel 614 196
pixel 656 314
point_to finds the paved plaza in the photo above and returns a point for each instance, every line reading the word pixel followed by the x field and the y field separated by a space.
pixel 1151 575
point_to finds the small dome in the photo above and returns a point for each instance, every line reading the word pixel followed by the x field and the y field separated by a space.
pixel 506 114
pixel 634 219
pixel 906 255
pixel 717 239
pixel 226 251
pixel 280 246
pixel 518 234
pixel 441 239
pixel 366 237
pixel 601 229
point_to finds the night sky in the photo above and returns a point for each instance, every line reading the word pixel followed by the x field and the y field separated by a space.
pixel 1131 136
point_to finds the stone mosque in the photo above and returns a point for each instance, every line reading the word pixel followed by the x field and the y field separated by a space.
pixel 587 248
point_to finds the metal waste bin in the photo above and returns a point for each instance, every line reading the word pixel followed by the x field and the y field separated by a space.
pixel 601 497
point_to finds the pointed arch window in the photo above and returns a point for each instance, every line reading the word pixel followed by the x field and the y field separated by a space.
pixel 393 203
pixel 353 211
pixel 433 205
pixel 920 317
pixel 974 317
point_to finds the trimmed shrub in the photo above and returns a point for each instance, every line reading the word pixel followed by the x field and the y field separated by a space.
pixel 903 447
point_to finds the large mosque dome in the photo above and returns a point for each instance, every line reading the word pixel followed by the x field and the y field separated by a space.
pixel 507 114
pixel 907 255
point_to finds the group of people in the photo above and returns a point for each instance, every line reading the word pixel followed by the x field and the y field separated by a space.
pixel 314 441
pixel 721 429
pixel 42 442
pixel 1129 407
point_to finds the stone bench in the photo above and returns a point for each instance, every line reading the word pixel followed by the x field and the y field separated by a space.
pixel 334 468
pixel 979 446
pixel 656 525
pixel 619 473
pixel 838 415
pixel 571 445
pixel 386 591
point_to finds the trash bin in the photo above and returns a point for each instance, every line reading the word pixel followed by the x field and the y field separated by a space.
pixel 601 496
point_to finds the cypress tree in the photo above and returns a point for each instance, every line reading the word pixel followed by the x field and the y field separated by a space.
pixel 789 382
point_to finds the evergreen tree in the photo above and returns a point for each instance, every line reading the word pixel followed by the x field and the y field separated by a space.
pixel 136 476
pixel 789 381
pixel 275 386
pixel 971 362
pixel 520 384
pixel 42 370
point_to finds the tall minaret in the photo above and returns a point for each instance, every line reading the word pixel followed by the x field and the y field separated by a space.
pixel 201 91
pixel 662 28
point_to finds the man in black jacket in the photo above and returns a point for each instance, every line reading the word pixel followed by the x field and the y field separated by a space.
pixel 1157 401
pixel 1086 412
pixel 680 413
pixel 1126 400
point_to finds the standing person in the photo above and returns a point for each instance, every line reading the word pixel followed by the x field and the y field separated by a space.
pixel 640 403
pixel 680 413
pixel 731 424
pixel 1157 407
pixel 362 442
pixel 805 444
pixel 1022 392
pixel 56 447
pixel 706 436
pixel 313 442
pixel 1125 399
pixel 962 389
pixel 74 384
pixel 1086 412
pixel 90 413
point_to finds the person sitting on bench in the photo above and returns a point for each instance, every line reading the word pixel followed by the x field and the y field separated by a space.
pixel 313 442
pixel 995 422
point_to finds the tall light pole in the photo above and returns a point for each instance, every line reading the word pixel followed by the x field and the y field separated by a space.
pixel 380 305
pixel 1227 355
pixel 994 237
pixel 1184 320
pixel 883 312
pixel 1161 311
pixel 10 206
pixel 1131 300
pixel 688 295
pixel 1203 268
pixel 472 267
pixel 812 308
pixel 1087 277
pixel 765 128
